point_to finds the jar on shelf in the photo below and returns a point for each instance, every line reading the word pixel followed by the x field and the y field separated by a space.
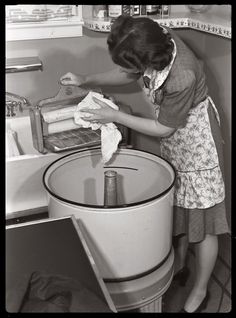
pixel 143 9
pixel 115 11
pixel 164 11
pixel 152 9
pixel 135 10
pixel 100 11
pixel 198 8
pixel 138 10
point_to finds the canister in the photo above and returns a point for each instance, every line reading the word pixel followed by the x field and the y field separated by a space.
pixel 100 11
pixel 115 11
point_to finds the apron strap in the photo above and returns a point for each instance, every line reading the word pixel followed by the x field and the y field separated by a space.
pixel 215 109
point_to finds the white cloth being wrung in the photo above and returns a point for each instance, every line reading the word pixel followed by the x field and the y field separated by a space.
pixel 110 135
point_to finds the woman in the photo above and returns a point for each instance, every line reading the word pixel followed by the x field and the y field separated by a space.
pixel 187 123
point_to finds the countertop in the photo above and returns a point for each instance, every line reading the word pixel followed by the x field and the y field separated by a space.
pixel 217 22
pixel 26 213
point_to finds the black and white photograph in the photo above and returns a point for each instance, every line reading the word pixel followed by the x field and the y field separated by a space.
pixel 118 158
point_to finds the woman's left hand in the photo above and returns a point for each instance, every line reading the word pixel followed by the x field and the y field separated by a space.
pixel 103 115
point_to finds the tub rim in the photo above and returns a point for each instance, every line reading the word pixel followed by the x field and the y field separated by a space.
pixel 102 207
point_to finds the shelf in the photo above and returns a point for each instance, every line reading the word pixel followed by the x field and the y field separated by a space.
pixel 44 30
pixel 206 22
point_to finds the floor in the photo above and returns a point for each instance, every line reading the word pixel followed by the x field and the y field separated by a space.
pixel 175 296
pixel 220 298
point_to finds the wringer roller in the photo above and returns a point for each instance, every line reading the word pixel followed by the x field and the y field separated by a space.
pixel 53 127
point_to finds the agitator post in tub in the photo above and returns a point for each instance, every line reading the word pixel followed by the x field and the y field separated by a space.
pixel 131 242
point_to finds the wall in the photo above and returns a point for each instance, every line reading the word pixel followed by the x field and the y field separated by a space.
pixel 88 54
pixel 83 55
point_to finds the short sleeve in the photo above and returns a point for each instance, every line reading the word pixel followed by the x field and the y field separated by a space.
pixel 177 100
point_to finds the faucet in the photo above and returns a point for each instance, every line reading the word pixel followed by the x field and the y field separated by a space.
pixel 13 101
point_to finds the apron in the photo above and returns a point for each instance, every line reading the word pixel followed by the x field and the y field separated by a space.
pixel 192 151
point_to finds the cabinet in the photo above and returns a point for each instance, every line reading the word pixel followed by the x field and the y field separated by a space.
pixel 34 22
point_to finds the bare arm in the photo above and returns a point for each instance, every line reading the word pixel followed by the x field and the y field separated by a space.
pixel 145 126
pixel 111 78
pixel 115 77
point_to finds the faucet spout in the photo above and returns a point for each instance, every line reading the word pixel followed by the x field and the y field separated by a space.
pixel 15 97
pixel 15 103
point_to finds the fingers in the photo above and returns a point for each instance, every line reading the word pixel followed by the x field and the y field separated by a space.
pixel 89 115
pixel 64 82
pixel 91 118
pixel 112 99
pixel 88 119
pixel 67 79
pixel 97 101
pixel 90 111
pixel 102 103
pixel 67 75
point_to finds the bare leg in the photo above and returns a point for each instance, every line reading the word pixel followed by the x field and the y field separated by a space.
pixel 206 255
pixel 180 253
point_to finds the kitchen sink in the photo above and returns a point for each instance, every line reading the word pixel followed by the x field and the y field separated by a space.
pixel 24 168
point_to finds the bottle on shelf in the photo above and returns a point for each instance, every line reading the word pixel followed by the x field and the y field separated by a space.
pixel 100 11
pixel 138 10
pixel 115 11
pixel 152 9
pixel 143 9
pixel 135 10
pixel 164 11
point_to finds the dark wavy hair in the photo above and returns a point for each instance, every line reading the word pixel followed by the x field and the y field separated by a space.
pixel 139 43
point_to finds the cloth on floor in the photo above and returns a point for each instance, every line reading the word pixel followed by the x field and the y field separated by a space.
pixel 42 292
pixel 110 135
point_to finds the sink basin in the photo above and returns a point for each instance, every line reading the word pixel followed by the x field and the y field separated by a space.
pixel 22 130
pixel 24 188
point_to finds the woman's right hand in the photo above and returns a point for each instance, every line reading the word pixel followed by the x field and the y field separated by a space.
pixel 72 79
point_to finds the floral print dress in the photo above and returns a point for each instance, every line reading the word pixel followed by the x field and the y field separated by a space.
pixel 191 148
